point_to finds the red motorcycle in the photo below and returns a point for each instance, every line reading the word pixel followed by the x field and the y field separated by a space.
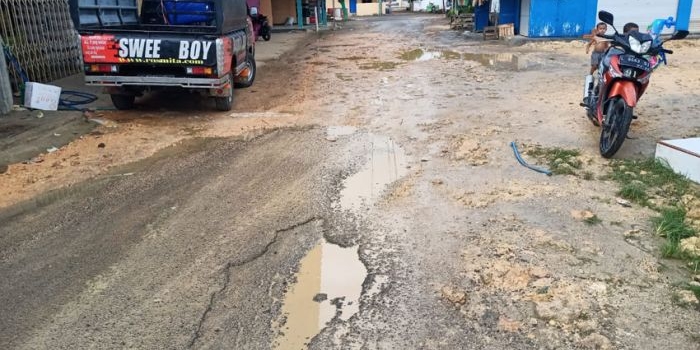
pixel 623 76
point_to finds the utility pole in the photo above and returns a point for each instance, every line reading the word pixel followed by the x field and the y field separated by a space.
pixel 5 88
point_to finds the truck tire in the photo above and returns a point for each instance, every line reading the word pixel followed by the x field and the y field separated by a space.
pixel 250 65
pixel 123 102
pixel 225 103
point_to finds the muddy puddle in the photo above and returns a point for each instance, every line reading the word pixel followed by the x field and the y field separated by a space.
pixel 340 130
pixel 328 285
pixel 505 61
pixel 385 164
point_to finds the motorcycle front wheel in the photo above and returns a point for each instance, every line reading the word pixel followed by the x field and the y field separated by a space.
pixel 615 126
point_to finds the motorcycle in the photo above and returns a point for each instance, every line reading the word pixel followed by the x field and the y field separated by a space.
pixel 261 27
pixel 623 77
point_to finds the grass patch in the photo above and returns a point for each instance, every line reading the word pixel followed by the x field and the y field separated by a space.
pixel 694 289
pixel 379 65
pixel 640 178
pixel 560 161
pixel 593 220
pixel 652 183
pixel 635 192
pixel 671 225
pixel 587 175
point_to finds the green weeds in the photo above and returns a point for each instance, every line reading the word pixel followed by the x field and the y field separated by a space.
pixel 641 179
pixel 560 161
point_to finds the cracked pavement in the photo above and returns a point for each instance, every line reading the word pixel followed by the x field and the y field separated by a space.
pixel 148 261
pixel 465 249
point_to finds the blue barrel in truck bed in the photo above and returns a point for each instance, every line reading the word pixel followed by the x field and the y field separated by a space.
pixel 183 13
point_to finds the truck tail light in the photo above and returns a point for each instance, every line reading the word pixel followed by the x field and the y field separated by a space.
pixel 199 70
pixel 102 68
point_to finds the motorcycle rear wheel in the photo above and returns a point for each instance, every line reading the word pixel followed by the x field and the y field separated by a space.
pixel 615 127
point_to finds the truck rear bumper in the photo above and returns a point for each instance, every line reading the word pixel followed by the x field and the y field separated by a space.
pixel 190 83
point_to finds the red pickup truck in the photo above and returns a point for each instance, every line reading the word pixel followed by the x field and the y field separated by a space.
pixel 201 45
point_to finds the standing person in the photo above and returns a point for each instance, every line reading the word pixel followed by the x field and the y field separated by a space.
pixel 599 44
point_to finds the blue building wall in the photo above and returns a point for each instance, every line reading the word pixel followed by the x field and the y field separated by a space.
pixel 561 18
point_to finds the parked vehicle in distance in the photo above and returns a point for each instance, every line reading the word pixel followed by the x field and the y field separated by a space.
pixel 206 46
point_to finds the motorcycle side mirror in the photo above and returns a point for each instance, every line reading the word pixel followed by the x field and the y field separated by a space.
pixel 606 17
pixel 681 34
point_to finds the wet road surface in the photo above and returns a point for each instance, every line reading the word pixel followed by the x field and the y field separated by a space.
pixel 396 218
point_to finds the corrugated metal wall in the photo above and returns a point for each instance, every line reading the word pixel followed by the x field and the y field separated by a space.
pixel 642 12
pixel 561 18
pixel 41 35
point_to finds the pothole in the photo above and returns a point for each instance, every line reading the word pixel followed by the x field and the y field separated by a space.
pixel 340 130
pixel 503 61
pixel 328 285
pixel 386 163
pixel 423 55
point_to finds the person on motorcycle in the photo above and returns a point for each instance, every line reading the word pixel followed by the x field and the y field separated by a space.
pixel 628 28
pixel 607 56
pixel 599 44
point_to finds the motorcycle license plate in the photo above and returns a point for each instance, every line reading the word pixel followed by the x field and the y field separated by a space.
pixel 634 62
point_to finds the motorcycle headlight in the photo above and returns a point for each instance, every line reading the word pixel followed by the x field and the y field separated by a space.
pixel 635 45
pixel 638 47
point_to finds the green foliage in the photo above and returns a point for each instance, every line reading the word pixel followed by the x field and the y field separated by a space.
pixel 560 161
pixel 671 225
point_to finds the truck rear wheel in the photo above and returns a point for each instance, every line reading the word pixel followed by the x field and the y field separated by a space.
pixel 123 102
pixel 225 103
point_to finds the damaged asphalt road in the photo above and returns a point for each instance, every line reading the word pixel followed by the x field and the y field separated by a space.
pixel 392 158
pixel 190 251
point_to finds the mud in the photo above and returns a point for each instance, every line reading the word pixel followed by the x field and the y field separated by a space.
pixel 385 163
pixel 410 166
pixel 328 286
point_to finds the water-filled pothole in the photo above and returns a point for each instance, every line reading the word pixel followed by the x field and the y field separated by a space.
pixel 502 61
pixel 340 130
pixel 328 285
pixel 386 163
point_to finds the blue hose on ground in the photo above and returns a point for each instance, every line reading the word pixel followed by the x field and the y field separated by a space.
pixel 69 100
pixel 523 163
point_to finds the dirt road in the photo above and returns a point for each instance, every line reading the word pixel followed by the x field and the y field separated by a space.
pixel 363 195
